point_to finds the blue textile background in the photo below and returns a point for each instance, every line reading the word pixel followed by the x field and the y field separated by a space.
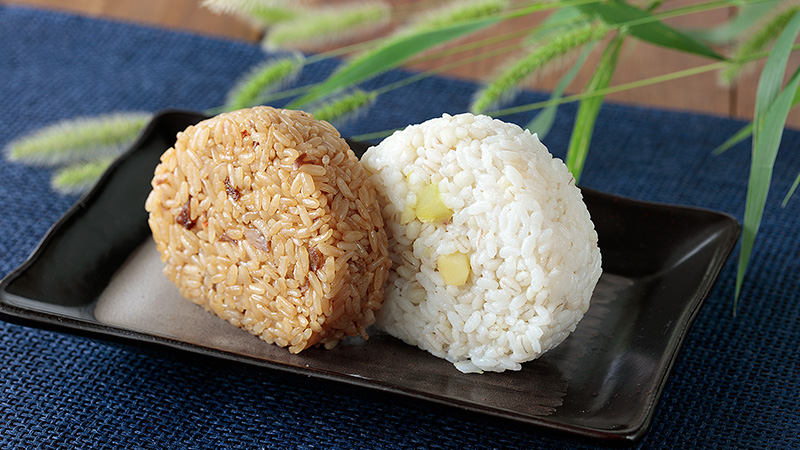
pixel 735 384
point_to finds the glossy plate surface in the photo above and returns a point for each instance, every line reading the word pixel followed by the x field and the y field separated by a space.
pixel 97 272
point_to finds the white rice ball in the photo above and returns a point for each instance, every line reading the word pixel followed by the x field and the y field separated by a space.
pixel 505 269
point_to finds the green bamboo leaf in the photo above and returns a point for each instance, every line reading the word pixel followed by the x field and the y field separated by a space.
pixel 455 13
pixel 772 108
pixel 769 84
pixel 766 141
pixel 543 121
pixel 78 139
pixel 746 16
pixel 590 107
pixel 791 191
pixel 389 57
pixel 747 131
pixel 740 135
pixel 559 20
pixel 619 14
pixel 78 178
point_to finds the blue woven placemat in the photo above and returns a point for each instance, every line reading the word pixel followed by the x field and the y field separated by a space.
pixel 735 384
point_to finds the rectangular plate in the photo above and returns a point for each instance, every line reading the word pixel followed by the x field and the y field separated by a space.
pixel 96 272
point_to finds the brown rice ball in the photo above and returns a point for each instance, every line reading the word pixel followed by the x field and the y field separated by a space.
pixel 266 218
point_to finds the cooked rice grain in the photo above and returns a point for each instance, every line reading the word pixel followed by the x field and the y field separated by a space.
pixel 266 218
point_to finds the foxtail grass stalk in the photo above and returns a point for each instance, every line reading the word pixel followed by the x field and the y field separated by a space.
pixel 373 43
pixel 80 177
pixel 263 78
pixel 419 76
pixel 611 90
pixel 270 15
pixel 345 107
pixel 230 6
pixel 757 42
pixel 456 12
pixel 79 139
pixel 263 12
pixel 433 55
pixel 334 53
pixel 328 25
pixel 540 7
pixel 577 97
pixel 658 79
pixel 532 62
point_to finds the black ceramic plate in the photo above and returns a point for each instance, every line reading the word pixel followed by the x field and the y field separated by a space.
pixel 96 272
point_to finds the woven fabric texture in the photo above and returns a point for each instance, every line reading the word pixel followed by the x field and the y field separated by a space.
pixel 735 383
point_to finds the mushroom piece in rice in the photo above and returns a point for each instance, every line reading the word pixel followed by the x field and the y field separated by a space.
pixel 495 257
pixel 266 218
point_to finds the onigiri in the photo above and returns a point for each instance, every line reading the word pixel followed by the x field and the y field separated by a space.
pixel 494 254
pixel 266 218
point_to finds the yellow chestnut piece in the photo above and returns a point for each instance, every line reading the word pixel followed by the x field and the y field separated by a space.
pixel 430 207
pixel 454 268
